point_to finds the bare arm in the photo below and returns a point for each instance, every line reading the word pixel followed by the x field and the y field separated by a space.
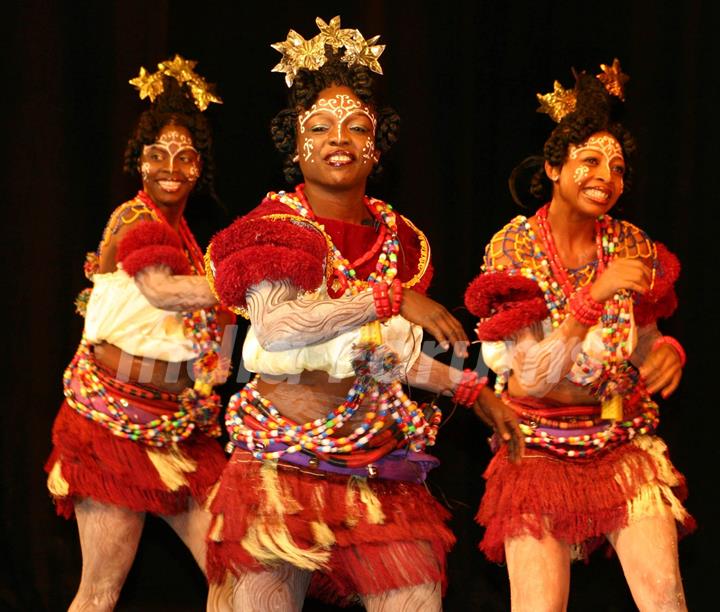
pixel 646 338
pixel 179 293
pixel 432 375
pixel 283 319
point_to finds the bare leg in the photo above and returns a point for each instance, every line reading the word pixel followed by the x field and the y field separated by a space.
pixel 280 590
pixel 192 527
pixel 420 598
pixel 109 537
pixel 647 550
pixel 539 573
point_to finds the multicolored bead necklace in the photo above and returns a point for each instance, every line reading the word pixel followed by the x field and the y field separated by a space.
pixel 253 421
pixel 386 268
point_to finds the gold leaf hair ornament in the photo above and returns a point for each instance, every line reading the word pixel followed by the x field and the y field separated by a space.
pixel 560 102
pixel 150 85
pixel 298 53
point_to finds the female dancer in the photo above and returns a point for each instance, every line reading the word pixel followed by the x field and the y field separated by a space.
pixel 325 483
pixel 134 434
pixel 568 302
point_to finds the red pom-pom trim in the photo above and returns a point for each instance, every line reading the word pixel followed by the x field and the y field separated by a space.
pixel 156 255
pixel 151 243
pixel 248 232
pixel 248 267
pixel 504 303
pixel 487 293
pixel 661 302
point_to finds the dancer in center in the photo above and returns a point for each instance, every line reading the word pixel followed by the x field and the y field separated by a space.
pixel 325 484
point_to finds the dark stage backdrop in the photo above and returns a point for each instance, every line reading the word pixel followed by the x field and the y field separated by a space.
pixel 463 76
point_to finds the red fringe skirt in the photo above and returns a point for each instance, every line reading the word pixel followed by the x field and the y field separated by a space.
pixel 88 460
pixel 358 536
pixel 579 501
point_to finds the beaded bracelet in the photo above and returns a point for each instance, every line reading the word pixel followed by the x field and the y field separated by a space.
pixel 469 388
pixel 675 344
pixel 584 308
pixel 397 295
pixel 382 300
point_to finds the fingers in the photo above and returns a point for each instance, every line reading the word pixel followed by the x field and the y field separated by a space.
pixel 674 382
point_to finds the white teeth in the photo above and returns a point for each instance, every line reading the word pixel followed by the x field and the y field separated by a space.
pixel 169 185
pixel 597 194
pixel 339 159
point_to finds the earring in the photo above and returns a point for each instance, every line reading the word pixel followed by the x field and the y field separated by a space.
pixel 296 159
pixel 555 179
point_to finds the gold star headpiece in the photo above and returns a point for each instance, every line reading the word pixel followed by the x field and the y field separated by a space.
pixel 150 85
pixel 298 53
pixel 561 101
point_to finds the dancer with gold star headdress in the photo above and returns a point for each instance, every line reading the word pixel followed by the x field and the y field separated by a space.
pixel 568 301
pixel 135 434
pixel 325 486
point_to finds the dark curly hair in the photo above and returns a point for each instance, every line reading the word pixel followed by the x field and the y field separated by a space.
pixel 174 105
pixel 594 112
pixel 305 89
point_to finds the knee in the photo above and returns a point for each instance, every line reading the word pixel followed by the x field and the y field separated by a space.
pixel 662 591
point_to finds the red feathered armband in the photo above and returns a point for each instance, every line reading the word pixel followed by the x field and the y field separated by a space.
pixel 276 247
pixel 504 303
pixel 151 243
pixel 660 302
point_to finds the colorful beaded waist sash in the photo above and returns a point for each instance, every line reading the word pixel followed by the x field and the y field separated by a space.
pixel 579 431
pixel 130 411
pixel 400 464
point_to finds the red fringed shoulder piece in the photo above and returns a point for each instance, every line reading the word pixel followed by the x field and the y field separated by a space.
pixel 150 243
pixel 504 303
pixel 661 302
pixel 254 249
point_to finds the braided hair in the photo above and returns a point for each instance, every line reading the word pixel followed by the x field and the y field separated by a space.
pixel 306 87
pixel 594 112
pixel 175 106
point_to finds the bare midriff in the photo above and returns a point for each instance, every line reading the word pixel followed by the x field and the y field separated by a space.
pixel 565 392
pixel 308 396
pixel 164 375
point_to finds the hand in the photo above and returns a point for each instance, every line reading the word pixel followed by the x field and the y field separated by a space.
pixel 662 370
pixel 435 319
pixel 620 274
pixel 498 415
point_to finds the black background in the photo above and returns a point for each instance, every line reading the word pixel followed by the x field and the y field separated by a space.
pixel 463 77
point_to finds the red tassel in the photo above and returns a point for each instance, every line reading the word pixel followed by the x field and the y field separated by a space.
pixel 113 470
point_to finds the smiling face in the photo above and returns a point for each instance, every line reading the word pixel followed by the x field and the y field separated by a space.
pixel 591 179
pixel 170 166
pixel 336 139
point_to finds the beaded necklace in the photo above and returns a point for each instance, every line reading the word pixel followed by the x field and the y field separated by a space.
pixel 254 421
pixel 553 280
pixel 345 279
pixel 198 405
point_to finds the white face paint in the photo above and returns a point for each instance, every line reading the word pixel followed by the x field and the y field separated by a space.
pixel 342 107
pixel 606 149
pixel 175 148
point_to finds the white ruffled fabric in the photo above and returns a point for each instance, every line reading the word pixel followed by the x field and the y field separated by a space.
pixel 120 314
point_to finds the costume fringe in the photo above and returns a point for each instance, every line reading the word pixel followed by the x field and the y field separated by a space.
pixel 358 536
pixel 578 502
pixel 56 484
pixel 172 466
pixel 96 463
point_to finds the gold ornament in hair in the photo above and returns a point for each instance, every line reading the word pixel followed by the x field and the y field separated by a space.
pixel 150 85
pixel 298 53
pixel 561 101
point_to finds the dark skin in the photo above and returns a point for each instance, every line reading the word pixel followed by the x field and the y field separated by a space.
pixel 336 156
